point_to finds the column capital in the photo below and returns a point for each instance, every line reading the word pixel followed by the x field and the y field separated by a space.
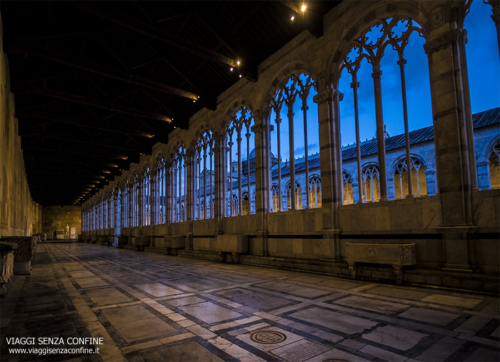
pixel 444 39
pixel 259 128
pixel 328 95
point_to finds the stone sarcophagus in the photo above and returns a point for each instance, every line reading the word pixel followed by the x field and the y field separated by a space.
pixel 172 243
pixel 231 244
pixel 142 241
pixel 122 241
pixel 23 254
pixel 6 264
pixel 397 255
pixel 93 239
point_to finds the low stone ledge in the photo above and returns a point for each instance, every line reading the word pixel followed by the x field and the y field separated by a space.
pixel 173 243
pixel 122 241
pixel 142 241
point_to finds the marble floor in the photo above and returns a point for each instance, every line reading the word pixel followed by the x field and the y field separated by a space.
pixel 149 307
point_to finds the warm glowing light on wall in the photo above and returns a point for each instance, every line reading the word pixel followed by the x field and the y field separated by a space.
pixel 304 7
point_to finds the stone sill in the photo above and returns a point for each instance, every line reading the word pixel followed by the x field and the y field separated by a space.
pixel 416 200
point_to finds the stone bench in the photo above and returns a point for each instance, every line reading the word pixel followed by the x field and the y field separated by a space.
pixel 104 240
pixel 23 254
pixel 397 255
pixel 234 245
pixel 142 241
pixel 122 241
pixel 6 264
pixel 93 239
pixel 172 243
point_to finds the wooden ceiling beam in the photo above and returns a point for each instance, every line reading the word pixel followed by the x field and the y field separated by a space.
pixel 65 138
pixel 103 71
pixel 80 123
pixel 110 106
pixel 155 33
pixel 98 154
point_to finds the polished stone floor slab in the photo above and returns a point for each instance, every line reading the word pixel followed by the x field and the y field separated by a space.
pixel 334 320
pixel 158 289
pixel 107 296
pixel 209 312
pixel 151 307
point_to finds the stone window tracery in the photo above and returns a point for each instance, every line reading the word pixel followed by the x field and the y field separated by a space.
pixel 494 165
pixel 204 171
pixel 125 204
pixel 179 185
pixel 394 33
pixel 146 198
pixel 296 139
pixel 275 191
pixel 370 186
pixel 239 170
pixel 417 175
pixel 347 188
pixel 159 202
pixel 135 200
pixel 315 191
pixel 294 196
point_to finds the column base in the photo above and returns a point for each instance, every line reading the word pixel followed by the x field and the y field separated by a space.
pixel 462 268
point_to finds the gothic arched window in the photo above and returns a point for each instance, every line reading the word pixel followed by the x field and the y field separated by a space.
pixel 125 204
pixel 294 196
pixel 494 165
pixel 146 198
pixel 296 139
pixel 315 191
pixel 385 47
pixel 240 141
pixel 159 202
pixel 417 175
pixel 275 189
pixel 347 191
pixel 179 185
pixel 370 185
pixel 135 200
pixel 204 171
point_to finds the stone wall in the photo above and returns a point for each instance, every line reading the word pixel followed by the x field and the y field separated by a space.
pixel 455 228
pixel 19 214
pixel 57 217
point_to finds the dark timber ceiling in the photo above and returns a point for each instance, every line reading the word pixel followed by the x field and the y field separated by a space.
pixel 99 83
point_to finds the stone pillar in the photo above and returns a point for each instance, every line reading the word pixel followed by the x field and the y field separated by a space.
pixel 189 198
pixel 453 141
pixel 391 193
pixel 263 182
pixel 483 175
pixel 220 183
pixel 376 75
pixel 430 178
pixel 330 166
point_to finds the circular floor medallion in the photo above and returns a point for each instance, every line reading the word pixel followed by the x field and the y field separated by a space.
pixel 268 337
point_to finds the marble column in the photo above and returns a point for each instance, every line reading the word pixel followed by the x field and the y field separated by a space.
pixel 263 182
pixel 483 175
pixel 453 142
pixel 376 75
pixel 220 155
pixel 330 166
pixel 189 198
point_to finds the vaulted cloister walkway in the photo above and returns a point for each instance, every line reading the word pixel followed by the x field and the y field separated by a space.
pixel 150 307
